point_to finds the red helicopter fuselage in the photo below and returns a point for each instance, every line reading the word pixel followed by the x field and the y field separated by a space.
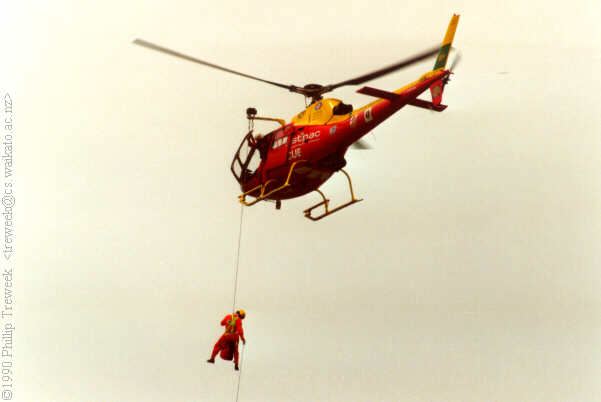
pixel 307 151
pixel 301 155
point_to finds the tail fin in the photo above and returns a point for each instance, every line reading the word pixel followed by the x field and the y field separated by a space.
pixel 443 53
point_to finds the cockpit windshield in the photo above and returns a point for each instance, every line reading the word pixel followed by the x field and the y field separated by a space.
pixel 247 159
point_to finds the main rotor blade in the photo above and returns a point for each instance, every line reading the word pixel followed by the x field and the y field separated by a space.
pixel 149 45
pixel 386 70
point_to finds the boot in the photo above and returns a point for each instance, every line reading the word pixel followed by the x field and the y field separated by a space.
pixel 211 361
pixel 236 367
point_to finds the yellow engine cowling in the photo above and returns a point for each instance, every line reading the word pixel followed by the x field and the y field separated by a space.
pixel 318 113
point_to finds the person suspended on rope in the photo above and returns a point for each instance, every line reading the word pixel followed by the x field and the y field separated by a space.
pixel 228 342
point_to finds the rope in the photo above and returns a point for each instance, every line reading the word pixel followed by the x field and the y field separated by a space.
pixel 239 375
pixel 237 260
pixel 237 393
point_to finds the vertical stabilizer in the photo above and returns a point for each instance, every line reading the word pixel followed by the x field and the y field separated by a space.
pixel 443 53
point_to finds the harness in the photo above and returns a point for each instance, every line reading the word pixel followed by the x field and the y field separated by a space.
pixel 230 328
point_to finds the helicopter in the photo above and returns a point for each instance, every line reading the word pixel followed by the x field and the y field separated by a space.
pixel 301 155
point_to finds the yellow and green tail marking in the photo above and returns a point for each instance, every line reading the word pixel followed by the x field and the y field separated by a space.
pixel 443 53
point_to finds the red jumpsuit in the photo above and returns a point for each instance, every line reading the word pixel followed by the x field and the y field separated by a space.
pixel 228 343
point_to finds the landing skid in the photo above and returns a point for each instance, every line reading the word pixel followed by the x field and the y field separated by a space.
pixel 326 202
pixel 264 193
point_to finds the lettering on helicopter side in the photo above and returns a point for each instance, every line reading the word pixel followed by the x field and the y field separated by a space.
pixel 332 130
pixel 313 136
pixel 367 115
pixel 295 153
pixel 280 141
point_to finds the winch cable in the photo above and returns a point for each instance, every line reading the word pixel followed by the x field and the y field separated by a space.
pixel 237 259
pixel 236 393
pixel 237 383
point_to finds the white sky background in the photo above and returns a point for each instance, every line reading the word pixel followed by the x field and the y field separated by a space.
pixel 471 272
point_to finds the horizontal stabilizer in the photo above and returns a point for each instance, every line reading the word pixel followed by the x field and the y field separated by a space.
pixel 378 93
pixel 427 105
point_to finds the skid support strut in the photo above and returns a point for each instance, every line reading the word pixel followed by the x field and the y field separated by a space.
pixel 326 202
pixel 262 188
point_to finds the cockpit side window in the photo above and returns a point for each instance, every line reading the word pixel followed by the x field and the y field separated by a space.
pixel 263 144
pixel 253 162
